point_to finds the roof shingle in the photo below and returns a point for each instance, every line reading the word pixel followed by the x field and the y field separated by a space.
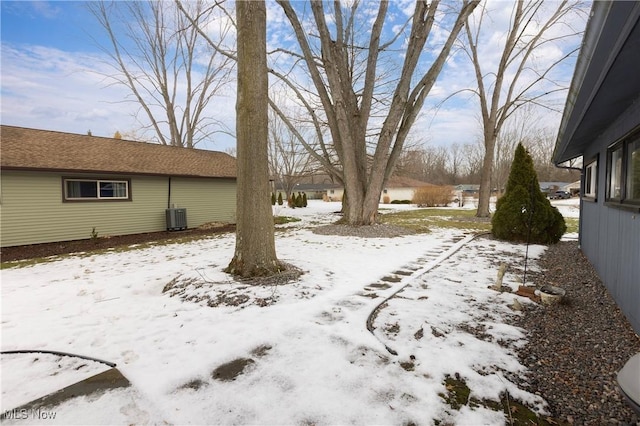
pixel 33 149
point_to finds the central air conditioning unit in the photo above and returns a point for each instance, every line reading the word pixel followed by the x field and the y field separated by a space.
pixel 176 219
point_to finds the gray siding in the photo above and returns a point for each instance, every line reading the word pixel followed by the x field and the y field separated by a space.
pixel 610 236
pixel 611 241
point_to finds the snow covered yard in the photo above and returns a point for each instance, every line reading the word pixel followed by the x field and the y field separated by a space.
pixel 308 357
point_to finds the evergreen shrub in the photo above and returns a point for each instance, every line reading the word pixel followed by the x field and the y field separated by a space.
pixel 523 213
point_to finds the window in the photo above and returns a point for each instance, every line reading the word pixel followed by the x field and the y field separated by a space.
pixel 614 190
pixel 590 179
pixel 95 189
pixel 623 172
pixel 633 171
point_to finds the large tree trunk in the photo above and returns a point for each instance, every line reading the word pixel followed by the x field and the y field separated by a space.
pixel 346 85
pixel 255 252
pixel 484 197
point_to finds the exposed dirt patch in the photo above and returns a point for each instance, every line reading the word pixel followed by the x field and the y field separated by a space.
pixel 194 384
pixel 368 231
pixel 239 293
pixel 229 371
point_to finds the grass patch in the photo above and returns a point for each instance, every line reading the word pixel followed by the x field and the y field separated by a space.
pixel 281 220
pixel 572 224
pixel 27 262
pixel 458 394
pixel 422 220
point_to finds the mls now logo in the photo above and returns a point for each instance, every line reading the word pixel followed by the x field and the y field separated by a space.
pixel 24 414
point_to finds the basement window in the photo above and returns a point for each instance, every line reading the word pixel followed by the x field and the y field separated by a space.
pixel 96 189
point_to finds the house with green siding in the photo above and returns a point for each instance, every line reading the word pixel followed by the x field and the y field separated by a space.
pixel 58 186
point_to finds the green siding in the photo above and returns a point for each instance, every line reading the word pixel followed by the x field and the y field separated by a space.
pixel 206 200
pixel 32 210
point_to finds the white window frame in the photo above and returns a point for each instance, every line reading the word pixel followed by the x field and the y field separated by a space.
pixel 615 175
pixel 97 182
pixel 591 180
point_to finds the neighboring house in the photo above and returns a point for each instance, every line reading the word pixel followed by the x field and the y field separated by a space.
pixel 601 124
pixel 314 191
pixel 59 186
pixel 397 189
pixel 467 189
pixel 572 188
pixel 551 187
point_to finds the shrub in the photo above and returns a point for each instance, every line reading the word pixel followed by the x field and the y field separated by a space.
pixel 280 202
pixel 273 199
pixel 433 196
pixel 401 202
pixel 523 213
pixel 304 199
pixel 386 199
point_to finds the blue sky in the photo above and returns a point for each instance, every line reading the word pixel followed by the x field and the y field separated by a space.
pixel 59 24
pixel 53 77
pixel 51 71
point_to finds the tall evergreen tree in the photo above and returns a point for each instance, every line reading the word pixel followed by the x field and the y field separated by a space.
pixel 524 213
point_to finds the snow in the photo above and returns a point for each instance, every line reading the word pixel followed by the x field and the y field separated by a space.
pixel 314 359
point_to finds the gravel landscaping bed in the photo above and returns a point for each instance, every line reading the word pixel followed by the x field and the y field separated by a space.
pixel 576 347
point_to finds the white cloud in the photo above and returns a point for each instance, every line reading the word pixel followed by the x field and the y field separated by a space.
pixel 55 90
pixel 67 91
pixel 50 89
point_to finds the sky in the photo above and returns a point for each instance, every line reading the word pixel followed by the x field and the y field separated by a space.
pixel 52 76
pixel 155 312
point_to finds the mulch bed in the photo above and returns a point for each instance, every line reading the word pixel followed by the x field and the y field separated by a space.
pixel 8 254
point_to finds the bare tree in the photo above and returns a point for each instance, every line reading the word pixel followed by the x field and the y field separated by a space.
pixel 289 161
pixel 540 145
pixel 366 136
pixel 411 163
pixel 255 252
pixel 519 77
pixel 455 163
pixel 162 59
pixel 348 65
pixel 473 154
pixel 505 149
